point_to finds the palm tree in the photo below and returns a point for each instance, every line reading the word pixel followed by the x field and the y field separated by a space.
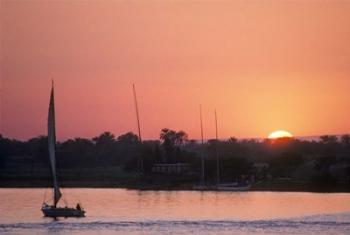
pixel 180 138
pixel 105 138
pixel 128 137
pixel 172 141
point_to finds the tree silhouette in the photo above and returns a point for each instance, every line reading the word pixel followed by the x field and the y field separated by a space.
pixel 106 138
pixel 318 161
pixel 171 142
pixel 181 137
pixel 328 139
pixel 345 140
pixel 128 137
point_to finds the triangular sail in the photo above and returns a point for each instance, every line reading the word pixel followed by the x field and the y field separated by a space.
pixel 51 135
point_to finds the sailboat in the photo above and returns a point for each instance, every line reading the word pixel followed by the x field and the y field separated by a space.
pixel 54 210
pixel 235 186
pixel 202 185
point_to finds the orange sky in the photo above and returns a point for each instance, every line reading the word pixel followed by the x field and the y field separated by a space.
pixel 264 65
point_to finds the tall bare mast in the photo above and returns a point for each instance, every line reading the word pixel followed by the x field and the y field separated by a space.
pixel 217 150
pixel 137 113
pixel 202 147
pixel 140 160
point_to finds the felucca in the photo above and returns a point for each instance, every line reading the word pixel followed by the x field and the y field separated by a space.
pixel 235 186
pixel 53 210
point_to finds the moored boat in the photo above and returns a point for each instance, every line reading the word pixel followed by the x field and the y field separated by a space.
pixel 204 187
pixel 234 187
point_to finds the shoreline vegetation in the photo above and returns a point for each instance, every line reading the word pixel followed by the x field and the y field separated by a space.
pixel 106 161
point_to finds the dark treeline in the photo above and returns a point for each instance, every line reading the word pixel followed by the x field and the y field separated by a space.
pixel 110 160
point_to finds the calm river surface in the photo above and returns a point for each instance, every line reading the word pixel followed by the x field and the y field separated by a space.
pixel 120 211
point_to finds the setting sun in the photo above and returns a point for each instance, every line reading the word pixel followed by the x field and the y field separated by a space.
pixel 173 117
pixel 280 134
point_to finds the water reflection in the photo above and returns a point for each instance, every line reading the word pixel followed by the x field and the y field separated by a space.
pixel 23 205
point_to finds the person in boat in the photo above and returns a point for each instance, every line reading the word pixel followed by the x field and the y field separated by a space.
pixel 78 207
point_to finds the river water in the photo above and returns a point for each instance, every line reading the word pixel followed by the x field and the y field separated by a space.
pixel 121 211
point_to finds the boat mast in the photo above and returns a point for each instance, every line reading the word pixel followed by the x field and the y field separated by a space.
pixel 137 113
pixel 217 150
pixel 138 127
pixel 51 135
pixel 202 146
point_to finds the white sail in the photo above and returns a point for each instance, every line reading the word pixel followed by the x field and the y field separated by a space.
pixel 51 135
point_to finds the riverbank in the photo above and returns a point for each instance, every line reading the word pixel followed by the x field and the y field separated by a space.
pixel 279 185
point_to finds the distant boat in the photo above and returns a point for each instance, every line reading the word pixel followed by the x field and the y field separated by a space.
pixel 233 187
pixel 202 185
pixel 53 210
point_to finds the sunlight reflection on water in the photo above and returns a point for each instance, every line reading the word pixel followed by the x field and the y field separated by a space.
pixel 111 211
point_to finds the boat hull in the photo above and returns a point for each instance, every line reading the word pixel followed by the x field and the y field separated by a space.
pixel 233 188
pixel 204 187
pixel 62 212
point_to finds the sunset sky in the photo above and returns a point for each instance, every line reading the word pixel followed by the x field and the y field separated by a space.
pixel 264 65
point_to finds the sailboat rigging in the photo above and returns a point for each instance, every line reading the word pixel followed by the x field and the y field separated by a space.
pixel 54 210
pixel 202 185
pixel 137 113
pixel 202 146
pixel 217 150
pixel 140 159
pixel 225 186
pixel 235 186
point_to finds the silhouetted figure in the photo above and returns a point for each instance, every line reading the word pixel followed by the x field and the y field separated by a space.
pixel 78 207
